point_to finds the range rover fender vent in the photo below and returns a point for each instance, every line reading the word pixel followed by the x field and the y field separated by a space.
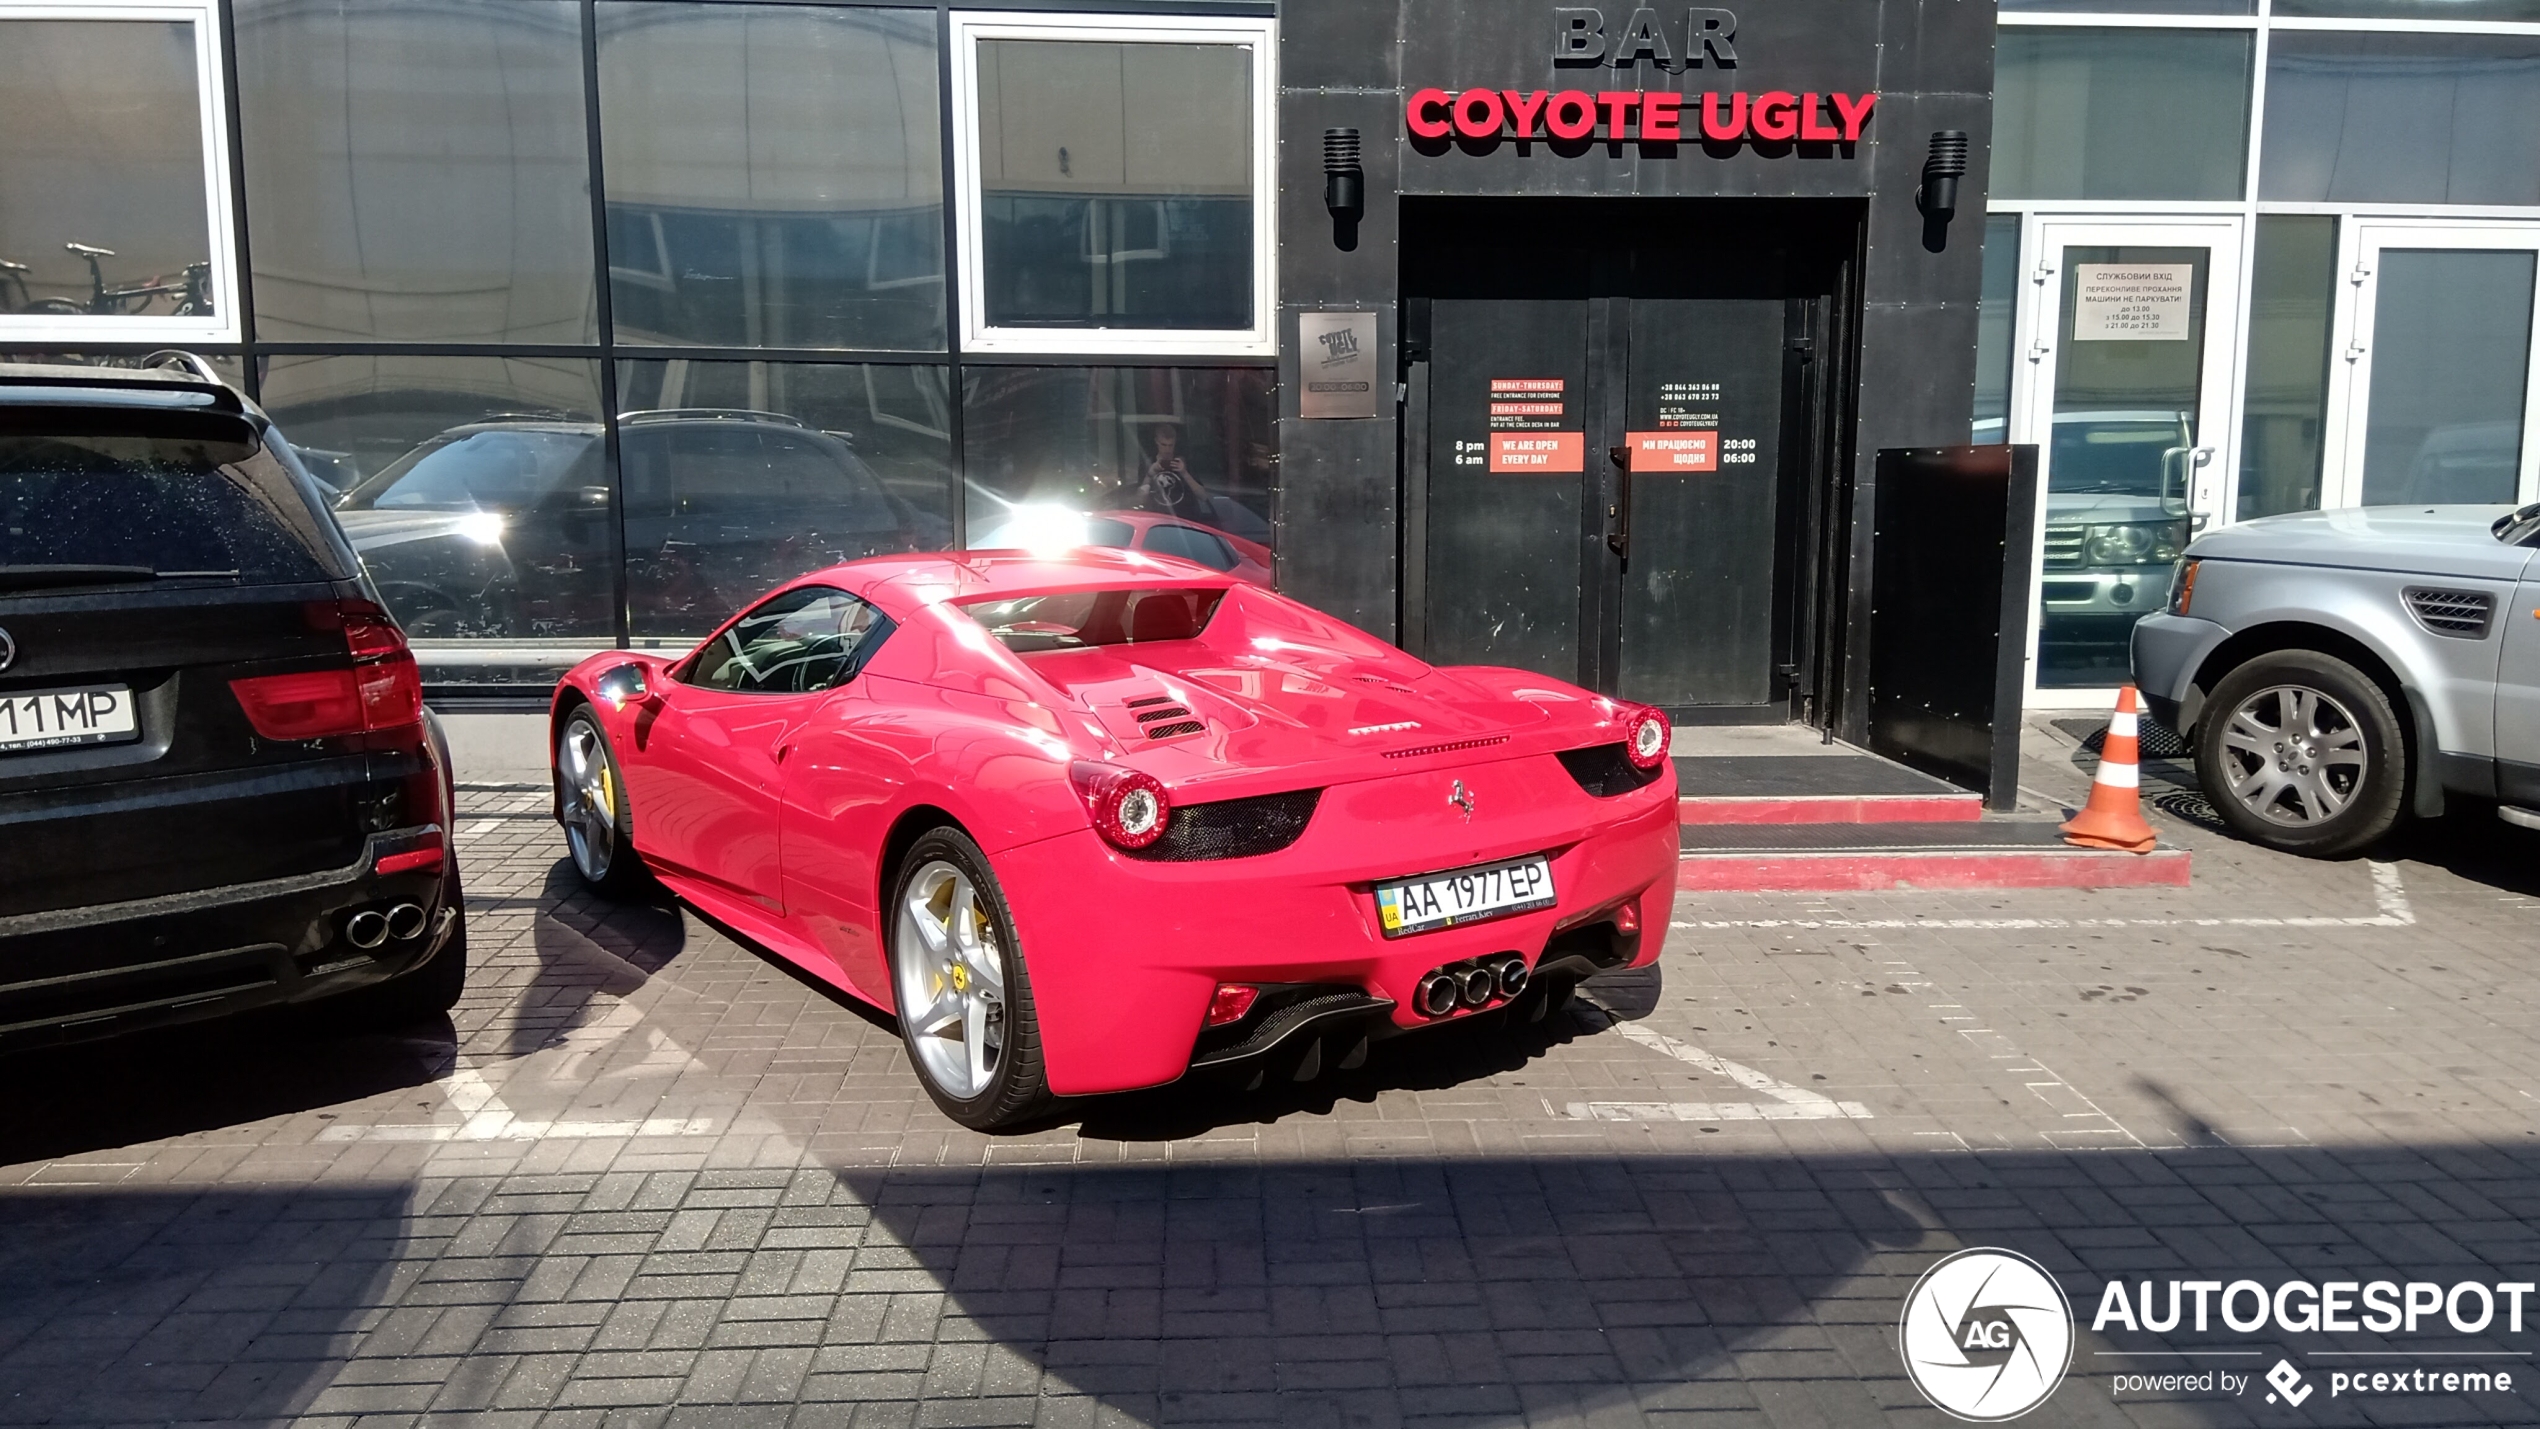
pixel 2460 614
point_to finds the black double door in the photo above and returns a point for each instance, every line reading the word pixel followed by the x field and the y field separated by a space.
pixel 1616 461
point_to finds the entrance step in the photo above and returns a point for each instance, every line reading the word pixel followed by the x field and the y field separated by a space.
pixel 1837 787
pixel 1868 857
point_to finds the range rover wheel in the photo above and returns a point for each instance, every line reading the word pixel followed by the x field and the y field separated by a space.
pixel 591 801
pixel 957 975
pixel 2302 752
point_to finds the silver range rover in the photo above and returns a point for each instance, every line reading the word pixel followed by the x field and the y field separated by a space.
pixel 2335 669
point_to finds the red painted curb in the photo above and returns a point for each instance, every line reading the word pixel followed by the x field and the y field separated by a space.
pixel 1831 809
pixel 1872 872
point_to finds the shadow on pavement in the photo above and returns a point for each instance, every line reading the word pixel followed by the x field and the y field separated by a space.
pixel 1373 1291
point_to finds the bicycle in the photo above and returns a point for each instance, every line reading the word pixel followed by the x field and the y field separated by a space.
pixel 192 291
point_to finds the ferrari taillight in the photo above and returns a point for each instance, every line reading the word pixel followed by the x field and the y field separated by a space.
pixel 1128 808
pixel 1646 737
pixel 381 691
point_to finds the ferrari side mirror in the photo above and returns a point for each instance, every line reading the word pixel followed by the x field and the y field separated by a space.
pixel 622 686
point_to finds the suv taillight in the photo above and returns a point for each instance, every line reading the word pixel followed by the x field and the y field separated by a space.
pixel 381 691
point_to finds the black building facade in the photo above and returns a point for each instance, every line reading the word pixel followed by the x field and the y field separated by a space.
pixel 602 315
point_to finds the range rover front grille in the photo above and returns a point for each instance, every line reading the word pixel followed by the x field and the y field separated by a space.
pixel 2063 547
pixel 2461 614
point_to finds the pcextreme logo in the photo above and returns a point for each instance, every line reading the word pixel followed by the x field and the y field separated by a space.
pixel 1987 1335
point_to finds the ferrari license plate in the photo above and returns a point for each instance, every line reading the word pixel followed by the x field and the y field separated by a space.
pixel 1470 895
pixel 49 719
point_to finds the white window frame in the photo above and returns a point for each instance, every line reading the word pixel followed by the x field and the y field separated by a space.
pixel 1261 36
pixel 212 95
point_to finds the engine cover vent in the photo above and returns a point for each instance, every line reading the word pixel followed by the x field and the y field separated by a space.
pixel 2461 614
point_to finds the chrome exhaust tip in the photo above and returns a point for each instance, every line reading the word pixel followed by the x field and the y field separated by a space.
pixel 367 929
pixel 405 921
pixel 1513 976
pixel 1479 985
pixel 1436 994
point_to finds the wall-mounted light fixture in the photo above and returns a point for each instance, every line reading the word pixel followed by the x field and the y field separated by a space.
pixel 1946 164
pixel 1344 182
pixel 1344 186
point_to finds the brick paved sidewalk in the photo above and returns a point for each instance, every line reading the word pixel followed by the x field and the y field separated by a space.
pixel 650 1176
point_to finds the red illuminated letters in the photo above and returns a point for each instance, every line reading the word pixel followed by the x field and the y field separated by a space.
pixel 1810 131
pixel 1777 115
pixel 1725 128
pixel 1854 114
pixel 1618 104
pixel 1524 109
pixel 1570 115
pixel 1658 117
pixel 1478 115
pixel 1416 115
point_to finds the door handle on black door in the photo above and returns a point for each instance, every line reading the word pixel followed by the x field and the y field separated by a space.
pixel 1618 517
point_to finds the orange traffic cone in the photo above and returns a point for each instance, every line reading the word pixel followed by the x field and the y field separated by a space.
pixel 2114 816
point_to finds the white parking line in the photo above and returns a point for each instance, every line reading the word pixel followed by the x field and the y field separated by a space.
pixel 1788 1103
pixel 2388 897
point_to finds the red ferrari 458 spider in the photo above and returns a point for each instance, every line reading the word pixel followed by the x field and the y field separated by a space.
pixel 1091 822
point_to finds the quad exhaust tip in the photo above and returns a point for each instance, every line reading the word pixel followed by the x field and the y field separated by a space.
pixel 405 922
pixel 1473 985
pixel 367 929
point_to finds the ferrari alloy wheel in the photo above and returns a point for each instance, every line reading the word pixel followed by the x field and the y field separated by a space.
pixel 965 1005
pixel 2300 751
pixel 591 803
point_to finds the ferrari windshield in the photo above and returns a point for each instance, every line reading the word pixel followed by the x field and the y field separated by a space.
pixel 1070 620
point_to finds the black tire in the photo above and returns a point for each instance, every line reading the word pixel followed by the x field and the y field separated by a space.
pixel 602 849
pixel 2336 780
pixel 1015 1091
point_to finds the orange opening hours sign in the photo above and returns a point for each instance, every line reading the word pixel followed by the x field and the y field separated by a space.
pixel 1661 452
pixel 1537 452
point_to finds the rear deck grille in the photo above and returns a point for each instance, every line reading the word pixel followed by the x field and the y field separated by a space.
pixel 2461 614
pixel 1446 748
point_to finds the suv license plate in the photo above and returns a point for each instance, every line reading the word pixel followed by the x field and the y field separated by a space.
pixel 1470 895
pixel 50 719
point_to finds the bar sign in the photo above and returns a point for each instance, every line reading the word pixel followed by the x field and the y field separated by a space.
pixel 1535 453
pixel 1662 452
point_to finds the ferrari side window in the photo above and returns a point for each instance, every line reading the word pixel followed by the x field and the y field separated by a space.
pixel 805 640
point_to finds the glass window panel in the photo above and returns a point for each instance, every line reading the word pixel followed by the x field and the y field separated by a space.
pixel 2451 347
pixel 2118 470
pixel 1116 184
pixel 104 151
pixel 2120 114
pixel 474 488
pixel 1997 310
pixel 2398 118
pixel 2413 9
pixel 416 170
pixel 1104 455
pixel 2291 292
pixel 775 176
pixel 743 475
pixel 2133 7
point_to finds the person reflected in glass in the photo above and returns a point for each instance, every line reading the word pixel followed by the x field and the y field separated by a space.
pixel 1167 486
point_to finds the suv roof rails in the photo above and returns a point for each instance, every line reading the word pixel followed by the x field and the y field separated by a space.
pixel 179 359
pixel 710 414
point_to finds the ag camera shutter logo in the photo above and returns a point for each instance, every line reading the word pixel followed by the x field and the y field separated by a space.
pixel 1986 1335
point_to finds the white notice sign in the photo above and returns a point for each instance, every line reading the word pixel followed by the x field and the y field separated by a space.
pixel 2132 302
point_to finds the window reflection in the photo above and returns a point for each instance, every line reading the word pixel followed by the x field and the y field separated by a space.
pixel 2451 349
pixel 2401 118
pixel 774 176
pixel 2286 407
pixel 1175 460
pixel 2121 114
pixel 474 488
pixel 1997 310
pixel 416 170
pixel 742 475
pixel 103 207
pixel 1116 184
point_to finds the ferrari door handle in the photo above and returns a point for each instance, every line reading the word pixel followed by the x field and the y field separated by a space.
pixel 783 749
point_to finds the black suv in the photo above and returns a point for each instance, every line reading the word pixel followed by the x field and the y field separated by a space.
pixel 219 788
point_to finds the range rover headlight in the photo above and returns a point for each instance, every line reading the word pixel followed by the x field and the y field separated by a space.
pixel 2134 543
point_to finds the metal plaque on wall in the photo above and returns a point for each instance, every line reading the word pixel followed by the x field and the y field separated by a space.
pixel 1336 362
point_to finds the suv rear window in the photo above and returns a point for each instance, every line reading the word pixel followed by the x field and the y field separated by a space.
pixel 192 496
pixel 1071 620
